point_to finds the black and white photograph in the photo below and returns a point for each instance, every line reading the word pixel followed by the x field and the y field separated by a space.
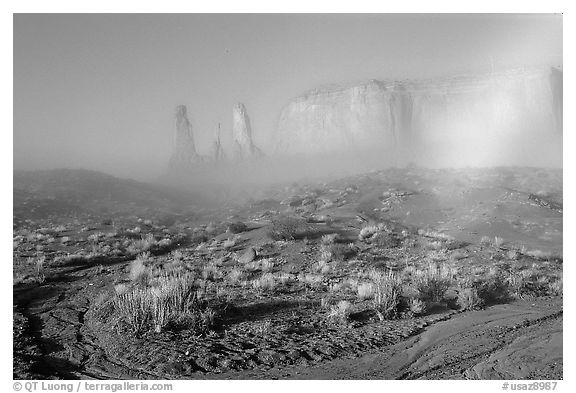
pixel 287 196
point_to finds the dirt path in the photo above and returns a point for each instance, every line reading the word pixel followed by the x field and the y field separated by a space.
pixel 522 340
pixel 50 339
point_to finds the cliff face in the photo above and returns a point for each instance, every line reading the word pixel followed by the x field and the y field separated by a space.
pixel 184 153
pixel 496 119
pixel 217 154
pixel 244 147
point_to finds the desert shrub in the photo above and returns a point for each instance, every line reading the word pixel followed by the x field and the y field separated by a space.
pixel 236 275
pixel 531 282
pixel 229 243
pixel 266 264
pixel 326 302
pixel 416 306
pixel 498 241
pixel 210 272
pixel 340 312
pixel 379 235
pixel 555 287
pixel 365 291
pixel 432 282
pixel 311 279
pixel 385 240
pixel 287 228
pixel 133 308
pixel 493 288
pixel 468 299
pixel 138 269
pixel 252 266
pixel 142 245
pixel 40 275
pixel 236 227
pixel 170 299
pixel 322 267
pixel 367 232
pixel 266 282
pixel 177 255
pixel 284 277
pixel 262 328
pixel 330 238
pixel 387 291
pixel 517 282
pixel 336 252
pixel 164 243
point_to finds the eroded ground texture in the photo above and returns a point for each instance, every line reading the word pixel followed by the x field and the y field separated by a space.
pixel 290 281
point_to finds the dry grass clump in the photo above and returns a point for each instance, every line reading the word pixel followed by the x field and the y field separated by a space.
pixel 142 245
pixel 369 231
pixel 379 235
pixel 330 238
pixel 365 291
pixel 39 273
pixel 337 252
pixel 385 240
pixel 266 264
pixel 229 243
pixel 340 312
pixel 468 299
pixel 498 241
pixel 416 306
pixel 433 282
pixel 517 282
pixel 387 292
pixel 168 300
pixel 350 284
pixel 266 282
pixel 262 328
pixel 284 277
pixel 252 266
pixel 322 267
pixel 138 269
pixel 59 229
pixel 311 280
pixel 491 288
pixel 236 276
pixel 532 282
pixel 555 287
pixel 210 272
pixel 177 256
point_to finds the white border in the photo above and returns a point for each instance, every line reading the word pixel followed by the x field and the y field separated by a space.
pixel 247 6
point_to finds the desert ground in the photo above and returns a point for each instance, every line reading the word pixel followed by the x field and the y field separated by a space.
pixel 405 273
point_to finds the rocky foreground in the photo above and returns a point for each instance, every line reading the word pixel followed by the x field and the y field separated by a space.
pixel 403 273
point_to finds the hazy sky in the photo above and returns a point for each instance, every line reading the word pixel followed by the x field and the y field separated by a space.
pixel 99 91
